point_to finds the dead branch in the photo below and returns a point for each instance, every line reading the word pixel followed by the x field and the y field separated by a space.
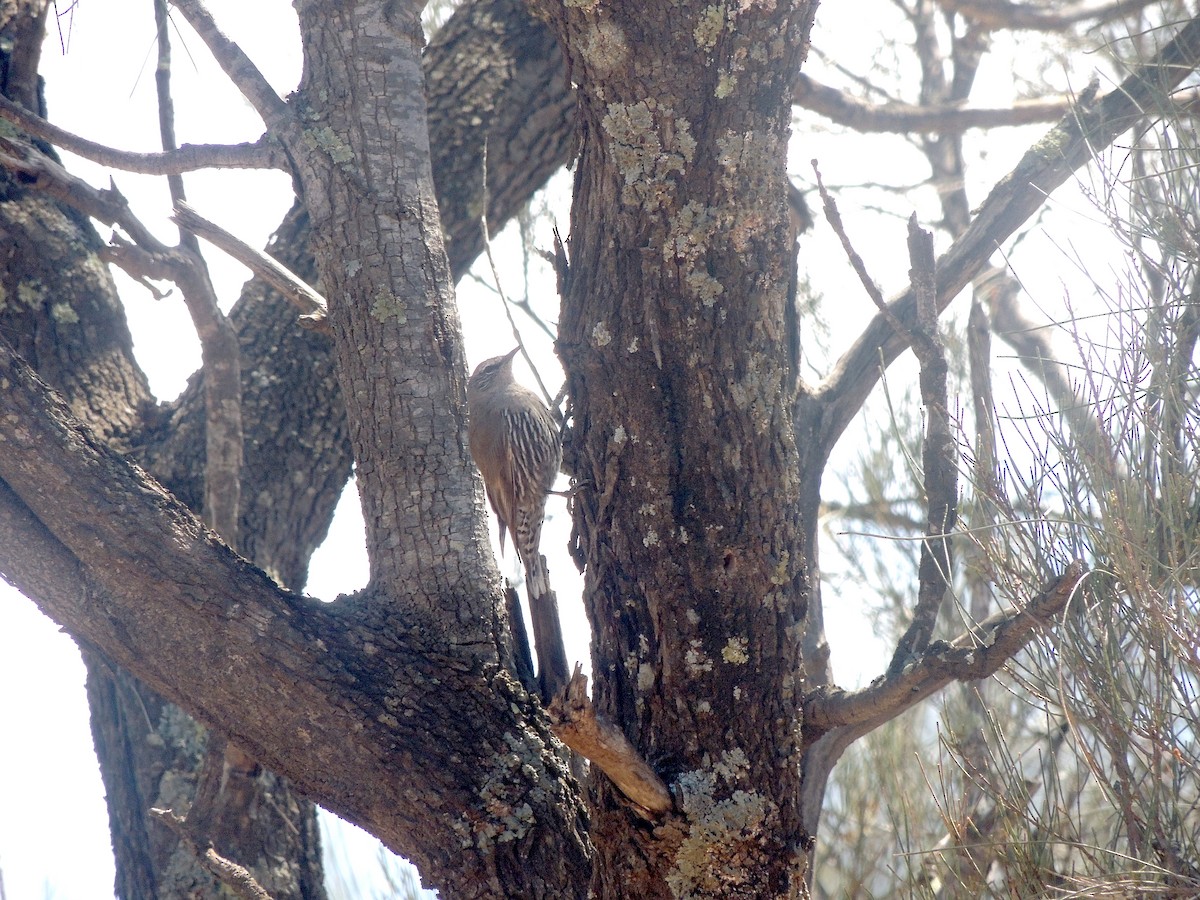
pixel 576 723
pixel 939 455
pixel 998 15
pixel 978 653
pixel 265 153
pixel 219 348
pixel 834 217
pixel 904 118
pixel 237 878
pixel 293 288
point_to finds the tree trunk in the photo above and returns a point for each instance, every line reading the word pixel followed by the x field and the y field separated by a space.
pixel 680 364
pixel 148 751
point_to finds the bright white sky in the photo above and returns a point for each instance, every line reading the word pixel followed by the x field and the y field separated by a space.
pixel 53 824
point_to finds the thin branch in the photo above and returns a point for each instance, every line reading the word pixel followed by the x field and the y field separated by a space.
pixel 975 654
pixel 577 724
pixel 487 249
pixel 856 261
pixel 293 288
pixel 105 205
pixel 237 65
pixel 978 653
pixel 903 118
pixel 1000 15
pixel 219 348
pixel 265 153
pixel 1045 166
pixel 939 455
pixel 237 878
pixel 1037 355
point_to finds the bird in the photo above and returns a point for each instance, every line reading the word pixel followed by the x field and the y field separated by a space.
pixel 514 441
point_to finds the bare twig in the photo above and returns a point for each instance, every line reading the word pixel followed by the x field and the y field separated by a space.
pixel 939 456
pixel 487 249
pixel 856 262
pixel 294 289
pixel 219 348
pixel 978 653
pixel 577 724
pixel 264 153
pixel 904 118
pixel 1002 14
pixel 237 878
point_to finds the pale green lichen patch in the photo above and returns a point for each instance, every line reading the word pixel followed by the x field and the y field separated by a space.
pixel 388 306
pixel 696 660
pixel 726 85
pixel 605 47
pixel 326 140
pixel 706 288
pixel 63 314
pixel 508 815
pixel 708 28
pixel 31 293
pixel 601 336
pixel 734 651
pixel 648 144
pixel 728 828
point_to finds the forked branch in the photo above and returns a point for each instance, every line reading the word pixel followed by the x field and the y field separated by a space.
pixel 978 653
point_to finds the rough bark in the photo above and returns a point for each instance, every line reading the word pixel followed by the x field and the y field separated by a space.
pixel 297 455
pixel 675 341
pixel 62 314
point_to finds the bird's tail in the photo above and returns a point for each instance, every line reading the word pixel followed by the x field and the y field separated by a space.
pixel 547 630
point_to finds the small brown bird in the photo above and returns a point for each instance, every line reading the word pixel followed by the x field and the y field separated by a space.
pixel 514 441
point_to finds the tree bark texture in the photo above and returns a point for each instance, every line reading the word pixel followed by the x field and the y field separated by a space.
pixel 675 340
pixel 297 454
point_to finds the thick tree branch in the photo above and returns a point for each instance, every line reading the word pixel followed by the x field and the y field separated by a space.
pixel 1045 166
pixel 1002 14
pixel 265 153
pixel 978 653
pixel 312 690
pixel 904 118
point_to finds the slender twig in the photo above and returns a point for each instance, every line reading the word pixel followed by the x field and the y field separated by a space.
pixel 577 724
pixel 904 118
pixel 1003 14
pixel 487 249
pixel 856 261
pixel 237 65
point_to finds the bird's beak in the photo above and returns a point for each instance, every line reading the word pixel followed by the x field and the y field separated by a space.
pixel 511 353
